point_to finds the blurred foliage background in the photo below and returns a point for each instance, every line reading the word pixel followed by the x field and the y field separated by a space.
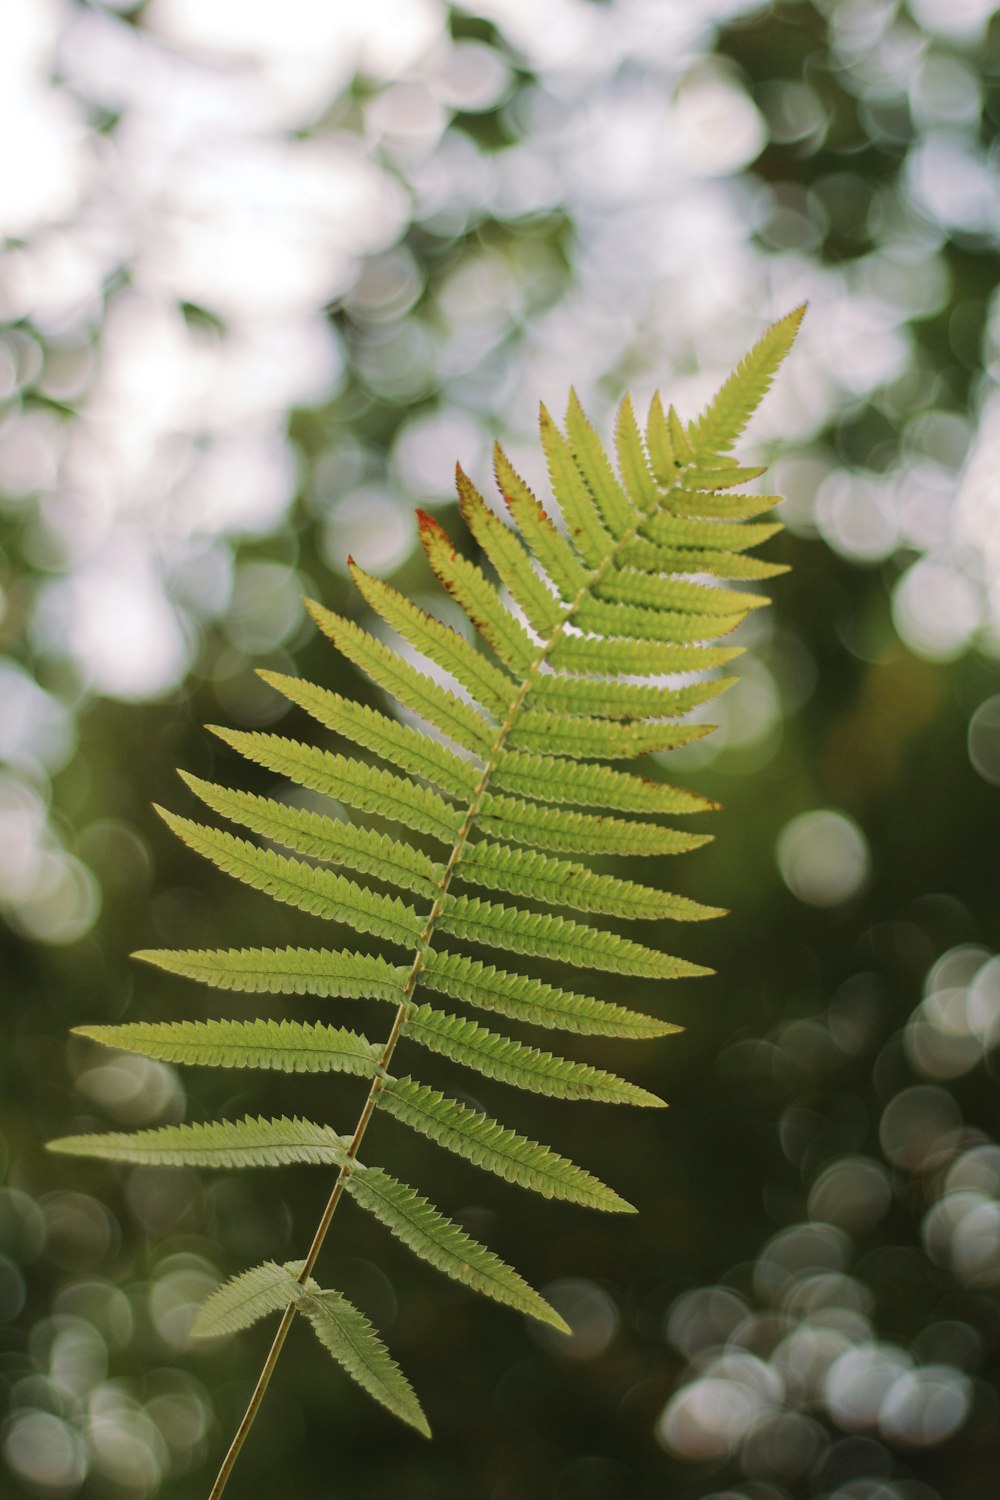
pixel 268 271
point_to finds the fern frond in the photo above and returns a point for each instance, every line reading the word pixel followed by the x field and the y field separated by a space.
pixel 289 1046
pixel 488 1144
pixel 659 445
pixel 582 737
pixel 713 477
pixel 444 1244
pixel 501 1057
pixel 623 700
pixel 636 465
pixel 251 1142
pixel 284 971
pixel 680 441
pixel 585 609
pixel 711 536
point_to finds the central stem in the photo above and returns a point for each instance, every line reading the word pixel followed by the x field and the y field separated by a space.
pixel 423 946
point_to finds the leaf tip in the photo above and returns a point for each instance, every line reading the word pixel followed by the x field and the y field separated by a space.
pixel 64 1145
pixel 428 525
pixel 554 1320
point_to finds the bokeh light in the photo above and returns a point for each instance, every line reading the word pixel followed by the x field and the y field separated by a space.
pixel 784 1355
pixel 823 858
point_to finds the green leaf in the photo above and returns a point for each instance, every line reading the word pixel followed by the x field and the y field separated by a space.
pixel 547 544
pixel 335 841
pixel 579 735
pixel 614 657
pixel 284 971
pixel 659 444
pixel 534 1001
pixel 462 723
pixel 679 439
pixel 367 788
pixel 710 536
pixel 560 938
pixel 319 892
pixel 490 687
pixel 220 1143
pixel 357 1348
pixel 444 1244
pixel 696 504
pixel 623 700
pixel 567 832
pixel 616 510
pixel 633 462
pixel 401 744
pixel 650 557
pixel 509 1061
pixel 601 596
pixel 490 1145
pixel 556 780
pixel 288 1046
pixel 582 517
pixel 558 882
pixel 728 413
pixel 244 1299
pixel 470 588
pixel 632 586
pixel 712 477
pixel 668 625
pixel 338 1325
pixel 512 561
